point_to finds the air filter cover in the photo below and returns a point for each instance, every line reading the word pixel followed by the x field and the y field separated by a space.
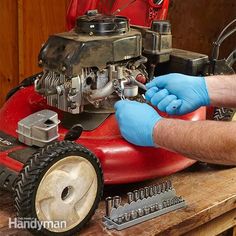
pixel 99 24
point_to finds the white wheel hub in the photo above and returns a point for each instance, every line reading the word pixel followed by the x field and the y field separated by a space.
pixel 234 117
pixel 66 192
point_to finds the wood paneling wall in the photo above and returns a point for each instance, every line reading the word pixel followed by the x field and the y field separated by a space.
pixel 9 65
pixel 196 24
pixel 37 20
pixel 26 24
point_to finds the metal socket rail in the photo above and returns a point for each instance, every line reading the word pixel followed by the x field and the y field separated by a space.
pixel 143 204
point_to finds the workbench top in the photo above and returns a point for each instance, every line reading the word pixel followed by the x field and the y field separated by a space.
pixel 209 192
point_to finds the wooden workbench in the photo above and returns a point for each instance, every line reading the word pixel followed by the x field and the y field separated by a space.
pixel 210 194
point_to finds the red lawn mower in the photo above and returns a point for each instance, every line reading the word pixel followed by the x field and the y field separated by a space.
pixel 59 139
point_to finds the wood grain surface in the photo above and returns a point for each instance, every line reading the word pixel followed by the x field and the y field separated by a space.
pixel 197 24
pixel 209 192
pixel 8 47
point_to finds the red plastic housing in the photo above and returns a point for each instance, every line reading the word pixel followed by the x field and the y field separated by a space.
pixel 140 12
pixel 121 161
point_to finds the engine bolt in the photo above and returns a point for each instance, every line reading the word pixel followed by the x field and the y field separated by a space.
pixel 73 105
pixel 40 62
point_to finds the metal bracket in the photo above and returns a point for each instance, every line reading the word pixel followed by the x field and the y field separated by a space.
pixel 143 204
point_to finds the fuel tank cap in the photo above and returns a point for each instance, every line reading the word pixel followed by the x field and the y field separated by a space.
pixel 94 23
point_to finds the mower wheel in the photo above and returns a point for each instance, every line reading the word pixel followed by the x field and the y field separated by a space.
pixel 60 188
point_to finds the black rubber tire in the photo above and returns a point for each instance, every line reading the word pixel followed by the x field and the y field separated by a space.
pixel 223 114
pixel 29 179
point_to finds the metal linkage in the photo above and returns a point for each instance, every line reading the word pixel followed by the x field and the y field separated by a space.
pixel 143 204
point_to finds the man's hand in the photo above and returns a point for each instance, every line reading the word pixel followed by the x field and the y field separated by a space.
pixel 137 121
pixel 189 92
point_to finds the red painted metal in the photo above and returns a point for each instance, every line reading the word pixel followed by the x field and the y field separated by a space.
pixel 121 161
pixel 140 12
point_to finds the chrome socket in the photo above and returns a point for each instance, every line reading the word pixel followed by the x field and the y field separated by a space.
pixel 158 189
pixel 146 191
pixel 136 195
pixel 127 217
pixel 163 187
pixel 140 212
pixel 109 205
pixel 154 188
pixel 157 207
pixel 134 215
pixel 116 201
pixel 130 197
pixel 152 208
pixel 151 193
pixel 120 220
pixel 147 210
pixel 141 193
pixel 168 185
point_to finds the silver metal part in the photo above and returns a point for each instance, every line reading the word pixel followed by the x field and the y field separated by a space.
pixel 141 193
pixel 39 128
pixel 131 90
pixel 146 190
pixel 135 212
pixel 116 201
pixel 130 197
pixel 88 86
pixel 136 195
pixel 109 205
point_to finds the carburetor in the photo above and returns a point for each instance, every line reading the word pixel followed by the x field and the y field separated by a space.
pixel 98 61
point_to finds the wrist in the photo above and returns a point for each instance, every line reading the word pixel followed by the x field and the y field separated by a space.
pixel 157 133
pixel 213 83
pixel 205 92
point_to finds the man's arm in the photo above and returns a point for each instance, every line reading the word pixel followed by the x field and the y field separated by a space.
pixel 222 90
pixel 207 141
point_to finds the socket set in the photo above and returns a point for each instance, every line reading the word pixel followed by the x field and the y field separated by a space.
pixel 142 205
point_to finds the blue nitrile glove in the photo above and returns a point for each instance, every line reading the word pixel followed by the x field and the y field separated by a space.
pixel 136 121
pixel 177 94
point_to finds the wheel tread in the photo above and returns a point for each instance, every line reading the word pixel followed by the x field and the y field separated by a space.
pixel 31 171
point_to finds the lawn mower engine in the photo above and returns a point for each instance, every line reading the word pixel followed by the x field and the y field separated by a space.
pixel 59 139
pixel 92 66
